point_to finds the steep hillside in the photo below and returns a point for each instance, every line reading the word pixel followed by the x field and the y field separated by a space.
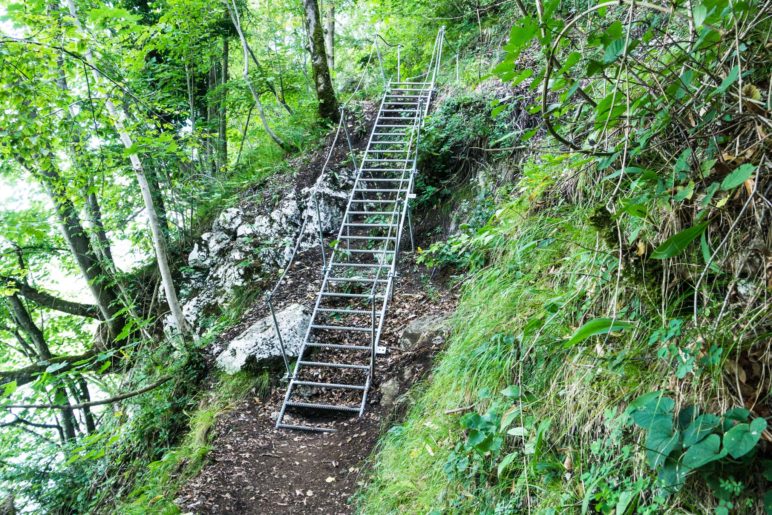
pixel 610 351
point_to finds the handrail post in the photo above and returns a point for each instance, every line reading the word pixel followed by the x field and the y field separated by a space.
pixel 380 59
pixel 319 225
pixel 399 63
pixel 373 350
pixel 278 334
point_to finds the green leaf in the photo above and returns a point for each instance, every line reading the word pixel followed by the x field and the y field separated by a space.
pixel 738 176
pixel 56 367
pixel 595 327
pixel 742 438
pixel 613 51
pixel 702 452
pixel 512 391
pixel 570 62
pixel 10 387
pixel 700 12
pixel 506 462
pixel 520 77
pixel 699 428
pixel 652 409
pixel 678 242
pixel 730 79
pixel 660 442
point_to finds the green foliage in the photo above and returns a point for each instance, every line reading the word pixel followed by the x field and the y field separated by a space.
pixel 718 448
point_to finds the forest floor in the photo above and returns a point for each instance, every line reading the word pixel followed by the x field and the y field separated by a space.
pixel 256 469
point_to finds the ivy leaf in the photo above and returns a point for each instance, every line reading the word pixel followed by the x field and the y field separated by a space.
pixel 595 327
pixel 742 438
pixel 738 176
pixel 678 242
pixel 702 452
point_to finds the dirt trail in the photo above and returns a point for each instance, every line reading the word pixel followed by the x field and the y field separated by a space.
pixel 256 469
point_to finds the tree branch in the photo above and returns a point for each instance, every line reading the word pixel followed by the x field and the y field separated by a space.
pixel 92 403
pixel 49 301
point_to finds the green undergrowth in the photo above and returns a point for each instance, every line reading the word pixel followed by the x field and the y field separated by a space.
pixel 154 491
pixel 528 408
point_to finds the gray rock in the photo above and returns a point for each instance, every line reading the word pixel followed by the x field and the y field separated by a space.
pixel 389 392
pixel 422 330
pixel 228 221
pixel 258 343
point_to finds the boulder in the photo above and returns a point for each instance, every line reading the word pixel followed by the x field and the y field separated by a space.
pixel 423 330
pixel 258 343
pixel 389 392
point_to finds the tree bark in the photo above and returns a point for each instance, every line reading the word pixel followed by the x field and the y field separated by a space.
pixel 95 217
pixel 325 93
pixel 47 300
pixel 329 36
pixel 222 139
pixel 159 241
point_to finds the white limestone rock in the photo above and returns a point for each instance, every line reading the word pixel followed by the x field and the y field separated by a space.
pixel 258 343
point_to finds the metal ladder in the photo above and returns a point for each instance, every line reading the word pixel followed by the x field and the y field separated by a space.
pixel 336 363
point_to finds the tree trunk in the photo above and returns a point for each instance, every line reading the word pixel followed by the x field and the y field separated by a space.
pixel 329 36
pixel 97 277
pixel 234 14
pixel 222 136
pixel 102 243
pixel 158 200
pixel 24 321
pixel 325 93
pixel 159 241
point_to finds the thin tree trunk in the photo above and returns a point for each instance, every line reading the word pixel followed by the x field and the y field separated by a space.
pixel 232 10
pixel 24 321
pixel 222 139
pixel 325 93
pixel 329 36
pixel 95 217
pixel 159 241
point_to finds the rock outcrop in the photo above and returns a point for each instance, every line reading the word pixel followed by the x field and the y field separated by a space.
pixel 259 343
pixel 249 242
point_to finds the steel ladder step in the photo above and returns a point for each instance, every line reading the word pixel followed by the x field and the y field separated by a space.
pixel 375 238
pixel 342 328
pixel 350 295
pixel 312 405
pixel 344 311
pixel 340 346
pixel 322 364
pixel 329 385
pixel 381 190
pixel 366 251
pixel 365 224
pixel 356 279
